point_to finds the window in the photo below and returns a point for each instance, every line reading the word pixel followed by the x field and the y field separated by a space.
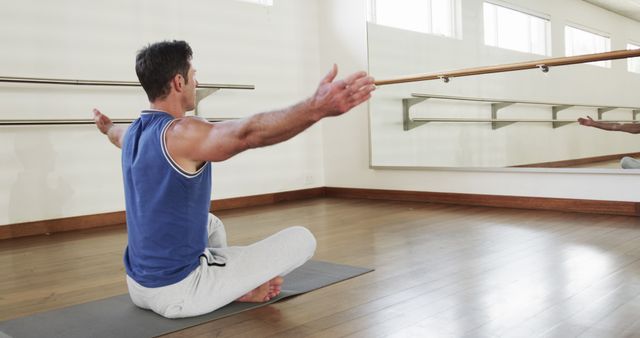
pixel 633 64
pixel 511 29
pixel 260 2
pixel 579 42
pixel 425 16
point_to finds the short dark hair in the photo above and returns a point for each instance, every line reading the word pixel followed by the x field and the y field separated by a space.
pixel 158 63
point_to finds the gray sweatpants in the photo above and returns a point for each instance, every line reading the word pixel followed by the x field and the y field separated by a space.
pixel 226 273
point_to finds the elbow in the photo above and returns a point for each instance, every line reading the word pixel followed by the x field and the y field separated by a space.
pixel 233 148
pixel 249 138
pixel 251 141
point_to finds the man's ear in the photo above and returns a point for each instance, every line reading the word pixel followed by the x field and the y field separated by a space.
pixel 178 82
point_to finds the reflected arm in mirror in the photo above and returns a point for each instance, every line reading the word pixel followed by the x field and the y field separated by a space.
pixel 633 128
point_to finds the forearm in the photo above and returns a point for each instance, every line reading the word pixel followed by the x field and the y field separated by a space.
pixel 116 134
pixel 277 126
pixel 605 125
pixel 632 128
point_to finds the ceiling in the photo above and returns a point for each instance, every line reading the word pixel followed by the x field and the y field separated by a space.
pixel 628 8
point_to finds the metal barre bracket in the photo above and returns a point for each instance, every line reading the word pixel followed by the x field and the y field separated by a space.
pixel 544 68
pixel 603 110
pixel 201 94
pixel 554 115
pixel 407 122
pixel 494 114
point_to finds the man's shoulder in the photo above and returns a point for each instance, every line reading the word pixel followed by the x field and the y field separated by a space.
pixel 188 128
pixel 189 121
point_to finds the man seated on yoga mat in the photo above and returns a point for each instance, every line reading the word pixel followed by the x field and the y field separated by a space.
pixel 633 128
pixel 177 260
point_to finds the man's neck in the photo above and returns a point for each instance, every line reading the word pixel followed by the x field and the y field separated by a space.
pixel 174 108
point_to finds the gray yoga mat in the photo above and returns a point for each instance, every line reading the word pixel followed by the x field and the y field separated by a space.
pixel 118 317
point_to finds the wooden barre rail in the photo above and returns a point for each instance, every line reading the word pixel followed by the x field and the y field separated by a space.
pixel 34 80
pixel 543 64
pixel 29 122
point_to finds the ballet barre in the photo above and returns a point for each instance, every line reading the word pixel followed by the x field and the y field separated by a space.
pixel 497 104
pixel 203 90
pixel 35 80
pixel 66 122
pixel 543 65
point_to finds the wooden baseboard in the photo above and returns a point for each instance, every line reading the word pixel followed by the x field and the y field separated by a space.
pixel 119 218
pixel 538 203
pixel 265 199
pixel 50 226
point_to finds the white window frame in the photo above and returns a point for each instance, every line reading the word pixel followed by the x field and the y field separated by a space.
pixel 542 16
pixel 603 64
pixel 455 18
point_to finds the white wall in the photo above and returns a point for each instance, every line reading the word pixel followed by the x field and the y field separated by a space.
pixel 61 171
pixel 346 140
pixel 53 172
pixel 394 52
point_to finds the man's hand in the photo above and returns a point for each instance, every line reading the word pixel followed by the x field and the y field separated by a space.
pixel 336 98
pixel 102 121
pixel 589 122
pixel 106 126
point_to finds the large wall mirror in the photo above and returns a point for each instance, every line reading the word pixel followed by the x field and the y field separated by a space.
pixel 410 123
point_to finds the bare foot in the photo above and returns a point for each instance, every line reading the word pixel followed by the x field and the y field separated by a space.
pixel 264 292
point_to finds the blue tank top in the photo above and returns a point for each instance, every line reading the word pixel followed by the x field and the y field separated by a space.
pixel 167 208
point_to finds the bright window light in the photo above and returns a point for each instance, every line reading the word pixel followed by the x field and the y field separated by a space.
pixel 425 16
pixel 580 42
pixel 633 64
pixel 260 2
pixel 511 29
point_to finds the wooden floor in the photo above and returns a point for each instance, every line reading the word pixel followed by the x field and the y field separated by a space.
pixel 441 271
pixel 613 164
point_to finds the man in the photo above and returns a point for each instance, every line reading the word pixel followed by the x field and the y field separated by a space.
pixel 633 128
pixel 177 260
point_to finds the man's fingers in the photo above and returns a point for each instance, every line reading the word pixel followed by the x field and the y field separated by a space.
pixel 346 89
pixel 355 101
pixel 358 97
pixel 351 79
pixel 362 83
pixel 331 75
pixel 362 93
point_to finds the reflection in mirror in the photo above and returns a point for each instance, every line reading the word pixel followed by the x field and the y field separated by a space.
pixel 470 122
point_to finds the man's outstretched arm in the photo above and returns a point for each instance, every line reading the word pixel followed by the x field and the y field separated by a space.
pixel 114 132
pixel 633 128
pixel 198 140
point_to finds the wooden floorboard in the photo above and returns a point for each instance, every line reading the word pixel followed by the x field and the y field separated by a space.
pixel 441 271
